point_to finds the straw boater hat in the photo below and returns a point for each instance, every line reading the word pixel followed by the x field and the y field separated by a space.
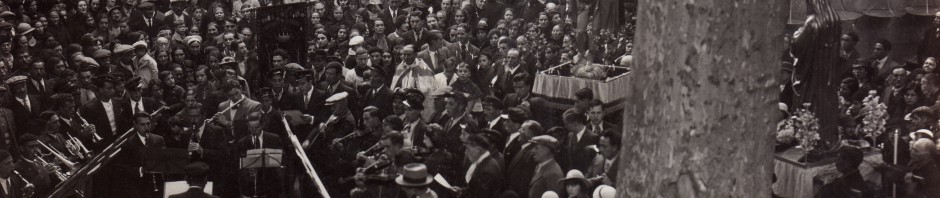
pixel 414 175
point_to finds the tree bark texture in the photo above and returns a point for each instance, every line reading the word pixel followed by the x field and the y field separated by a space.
pixel 701 107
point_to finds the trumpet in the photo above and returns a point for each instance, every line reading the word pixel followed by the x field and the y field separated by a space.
pixel 73 142
pixel 85 124
pixel 58 155
pixel 29 188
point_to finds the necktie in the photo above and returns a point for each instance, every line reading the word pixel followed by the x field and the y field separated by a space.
pixel 42 89
pixel 257 142
pixel 448 79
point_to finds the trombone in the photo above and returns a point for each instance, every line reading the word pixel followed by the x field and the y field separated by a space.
pixel 85 124
pixel 58 155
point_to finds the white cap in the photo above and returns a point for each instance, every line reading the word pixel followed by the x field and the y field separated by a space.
pixel 356 40
pixel 605 191
pixel 549 194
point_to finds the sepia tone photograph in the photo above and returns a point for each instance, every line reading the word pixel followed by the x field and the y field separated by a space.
pixel 469 98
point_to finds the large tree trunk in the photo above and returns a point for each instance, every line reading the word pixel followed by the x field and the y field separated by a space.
pixel 702 99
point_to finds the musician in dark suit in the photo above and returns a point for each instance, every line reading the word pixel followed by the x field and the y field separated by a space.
pixel 416 130
pixel 15 186
pixel 485 174
pixel 7 121
pixel 332 76
pixel 196 177
pixel 129 164
pixel 257 138
pixel 32 170
pixel 208 143
pixel 104 113
pixel 234 119
pixel 25 106
pixel 267 180
pixel 575 152
pixel 135 103
pixel 64 107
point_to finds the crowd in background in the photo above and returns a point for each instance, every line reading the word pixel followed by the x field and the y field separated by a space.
pixel 393 92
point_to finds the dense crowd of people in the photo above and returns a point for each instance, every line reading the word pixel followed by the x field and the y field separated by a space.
pixel 393 93
pixel 909 88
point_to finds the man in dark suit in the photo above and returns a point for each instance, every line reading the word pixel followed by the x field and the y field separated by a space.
pixel 209 144
pixel 493 115
pixel 235 118
pixel 146 19
pixel 7 122
pixel 332 76
pixel 38 84
pixel 64 107
pixel 259 139
pixel 603 170
pixel 436 53
pixel 595 116
pixel 504 71
pixel 25 106
pixel 523 92
pixel 16 186
pixel 196 178
pixel 136 103
pixel 104 113
pixel 389 14
pixel 129 164
pixel 418 36
pixel 521 165
pixel 378 94
pixel 547 171
pixel 575 152
pixel 484 175
pixel 461 47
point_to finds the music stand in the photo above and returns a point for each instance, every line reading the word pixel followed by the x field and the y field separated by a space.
pixel 164 161
pixel 261 159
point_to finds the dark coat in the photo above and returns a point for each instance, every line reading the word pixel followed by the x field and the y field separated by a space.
pixel 94 113
pixel 576 155
pixel 240 121
pixel 520 171
pixel 269 141
pixel 486 180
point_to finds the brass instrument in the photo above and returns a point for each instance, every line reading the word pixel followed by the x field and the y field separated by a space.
pixel 85 124
pixel 74 142
pixel 58 155
pixel 58 171
pixel 29 188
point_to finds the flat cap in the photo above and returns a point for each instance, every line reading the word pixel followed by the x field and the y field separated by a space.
pixel 102 53
pixel 140 44
pixel 546 140
pixel 338 97
pixel 145 4
pixel 122 49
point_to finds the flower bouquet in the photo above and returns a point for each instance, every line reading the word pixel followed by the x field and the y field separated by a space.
pixel 806 128
pixel 875 116
pixel 786 136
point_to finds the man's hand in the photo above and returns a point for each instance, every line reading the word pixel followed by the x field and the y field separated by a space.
pixel 194 147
